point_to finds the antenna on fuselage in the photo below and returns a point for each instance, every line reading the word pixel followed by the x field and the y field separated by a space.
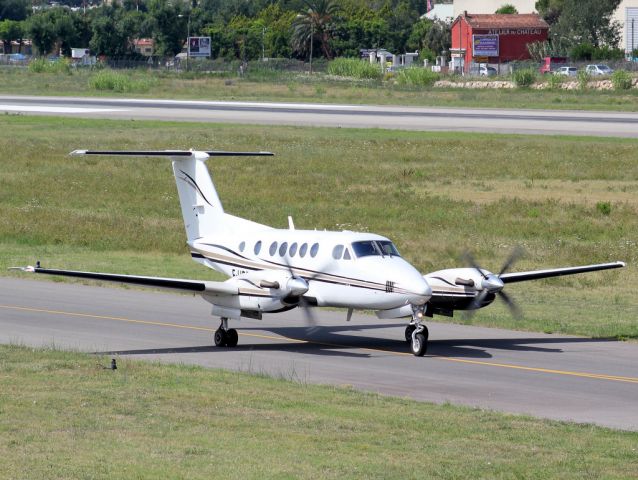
pixel 291 224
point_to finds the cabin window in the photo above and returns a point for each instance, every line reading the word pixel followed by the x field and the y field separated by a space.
pixel 293 250
pixel 303 249
pixel 242 246
pixel 257 247
pixel 314 249
pixel 346 255
pixel 273 248
pixel 283 248
pixel 337 252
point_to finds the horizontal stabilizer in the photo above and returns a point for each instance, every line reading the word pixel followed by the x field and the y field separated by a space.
pixel 557 272
pixel 169 153
pixel 221 288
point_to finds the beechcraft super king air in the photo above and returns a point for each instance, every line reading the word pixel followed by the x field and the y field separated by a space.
pixel 273 270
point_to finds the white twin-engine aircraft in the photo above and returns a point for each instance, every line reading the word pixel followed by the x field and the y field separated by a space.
pixel 273 270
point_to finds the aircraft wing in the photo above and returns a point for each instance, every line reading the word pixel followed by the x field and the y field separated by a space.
pixel 556 272
pixel 220 288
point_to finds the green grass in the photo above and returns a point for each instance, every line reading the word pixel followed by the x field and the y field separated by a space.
pixel 265 85
pixel 62 415
pixel 435 194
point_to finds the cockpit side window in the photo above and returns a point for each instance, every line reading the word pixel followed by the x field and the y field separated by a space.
pixel 367 248
pixel 364 248
pixel 346 255
pixel 388 248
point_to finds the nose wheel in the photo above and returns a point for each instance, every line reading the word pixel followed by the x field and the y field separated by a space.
pixel 224 336
pixel 416 334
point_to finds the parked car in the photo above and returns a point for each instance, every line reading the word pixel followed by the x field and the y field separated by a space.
pixel 483 70
pixel 598 70
pixel 567 71
pixel 17 58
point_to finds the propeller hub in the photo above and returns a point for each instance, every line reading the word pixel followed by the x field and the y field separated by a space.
pixel 492 283
pixel 297 286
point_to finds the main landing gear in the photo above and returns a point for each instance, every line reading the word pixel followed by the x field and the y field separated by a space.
pixel 224 336
pixel 416 334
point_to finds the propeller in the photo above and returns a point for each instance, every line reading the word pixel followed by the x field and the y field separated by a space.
pixel 299 286
pixel 492 284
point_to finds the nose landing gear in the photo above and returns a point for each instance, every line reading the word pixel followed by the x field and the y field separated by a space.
pixel 416 333
pixel 224 336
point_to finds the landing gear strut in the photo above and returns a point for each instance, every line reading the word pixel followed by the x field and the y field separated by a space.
pixel 224 336
pixel 416 333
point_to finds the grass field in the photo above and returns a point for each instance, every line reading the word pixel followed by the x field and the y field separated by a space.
pixel 303 88
pixel 63 415
pixel 567 201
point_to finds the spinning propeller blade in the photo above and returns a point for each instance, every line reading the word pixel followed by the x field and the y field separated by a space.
pixel 493 284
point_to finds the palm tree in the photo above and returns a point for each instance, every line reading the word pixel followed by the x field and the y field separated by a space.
pixel 315 24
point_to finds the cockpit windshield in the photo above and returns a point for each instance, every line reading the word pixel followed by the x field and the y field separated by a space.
pixel 366 248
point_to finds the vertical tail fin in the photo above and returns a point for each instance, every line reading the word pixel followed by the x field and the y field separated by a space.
pixel 201 208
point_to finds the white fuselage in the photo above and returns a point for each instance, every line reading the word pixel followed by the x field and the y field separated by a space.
pixel 342 269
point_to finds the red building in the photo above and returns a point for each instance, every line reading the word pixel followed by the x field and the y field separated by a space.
pixel 495 38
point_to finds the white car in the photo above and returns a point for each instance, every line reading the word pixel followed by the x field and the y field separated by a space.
pixel 566 71
pixel 598 70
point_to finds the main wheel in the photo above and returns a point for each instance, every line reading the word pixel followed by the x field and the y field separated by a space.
pixel 232 337
pixel 408 332
pixel 419 345
pixel 220 338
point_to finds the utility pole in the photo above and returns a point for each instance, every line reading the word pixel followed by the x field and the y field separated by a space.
pixel 263 49
pixel 312 36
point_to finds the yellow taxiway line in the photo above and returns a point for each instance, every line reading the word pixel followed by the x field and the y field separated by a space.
pixel 596 376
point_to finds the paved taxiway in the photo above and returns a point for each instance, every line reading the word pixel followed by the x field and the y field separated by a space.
pixel 552 376
pixel 548 122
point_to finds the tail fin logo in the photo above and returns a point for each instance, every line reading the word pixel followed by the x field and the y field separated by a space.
pixel 190 181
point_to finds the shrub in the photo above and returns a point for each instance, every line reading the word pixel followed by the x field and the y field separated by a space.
pixel 604 208
pixel 524 77
pixel 621 80
pixel 117 82
pixel 583 79
pixel 554 82
pixel 42 65
pixel 416 77
pixel 354 68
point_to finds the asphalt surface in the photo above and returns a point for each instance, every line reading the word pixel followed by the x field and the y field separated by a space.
pixel 546 122
pixel 551 376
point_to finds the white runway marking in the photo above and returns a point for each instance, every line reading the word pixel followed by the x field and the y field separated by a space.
pixel 47 109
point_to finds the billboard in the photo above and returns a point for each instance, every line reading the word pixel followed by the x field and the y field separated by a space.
pixel 199 46
pixel 485 45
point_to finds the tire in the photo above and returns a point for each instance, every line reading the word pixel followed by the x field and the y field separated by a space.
pixel 231 338
pixel 220 338
pixel 408 333
pixel 419 345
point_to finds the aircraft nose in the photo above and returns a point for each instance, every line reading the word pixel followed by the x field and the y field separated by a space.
pixel 420 291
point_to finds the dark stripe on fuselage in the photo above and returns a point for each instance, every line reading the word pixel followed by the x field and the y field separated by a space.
pixel 374 285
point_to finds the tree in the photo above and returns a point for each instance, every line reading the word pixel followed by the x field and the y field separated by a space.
pixel 11 30
pixel 550 10
pixel 507 8
pixel 431 38
pixel 169 26
pixel 315 25
pixel 14 9
pixel 588 21
pixel 41 29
